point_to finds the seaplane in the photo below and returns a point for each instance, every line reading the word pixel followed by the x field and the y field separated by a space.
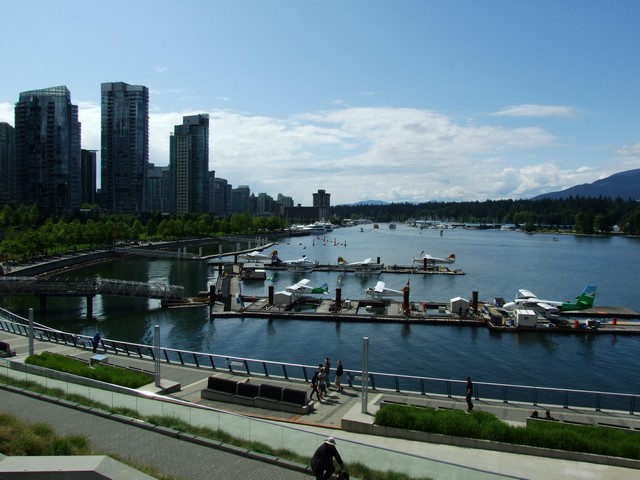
pixel 255 256
pixel 528 300
pixel 302 264
pixel 433 260
pixel 380 291
pixel 303 287
pixel 365 266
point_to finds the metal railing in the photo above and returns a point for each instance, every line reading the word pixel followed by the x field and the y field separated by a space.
pixel 88 286
pixel 382 382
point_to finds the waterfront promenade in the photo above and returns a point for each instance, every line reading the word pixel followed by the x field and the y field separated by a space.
pixel 190 458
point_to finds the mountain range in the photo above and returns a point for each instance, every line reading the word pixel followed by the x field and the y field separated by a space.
pixel 625 185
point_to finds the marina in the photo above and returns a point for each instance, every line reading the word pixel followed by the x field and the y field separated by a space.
pixel 496 264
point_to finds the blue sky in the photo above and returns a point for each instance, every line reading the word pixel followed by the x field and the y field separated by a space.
pixel 407 100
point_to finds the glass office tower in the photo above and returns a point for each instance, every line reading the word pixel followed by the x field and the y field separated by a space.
pixel 124 147
pixel 189 164
pixel 7 163
pixel 47 151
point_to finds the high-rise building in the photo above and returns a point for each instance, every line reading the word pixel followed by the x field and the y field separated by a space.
pixel 241 199
pixel 157 185
pixel 87 177
pixel 322 200
pixel 7 165
pixel 124 147
pixel 189 164
pixel 47 151
pixel 221 197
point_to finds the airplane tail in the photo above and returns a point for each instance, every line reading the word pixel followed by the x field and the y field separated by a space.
pixel 588 296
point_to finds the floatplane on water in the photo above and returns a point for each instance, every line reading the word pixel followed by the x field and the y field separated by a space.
pixel 422 258
pixel 528 300
pixel 380 291
pixel 367 266
pixel 302 264
pixel 303 287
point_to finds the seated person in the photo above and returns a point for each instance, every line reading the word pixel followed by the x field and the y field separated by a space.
pixel 534 414
pixel 547 415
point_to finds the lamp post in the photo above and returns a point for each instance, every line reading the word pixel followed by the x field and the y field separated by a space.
pixel 365 373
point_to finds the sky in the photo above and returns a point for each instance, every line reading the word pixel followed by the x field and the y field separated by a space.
pixel 394 100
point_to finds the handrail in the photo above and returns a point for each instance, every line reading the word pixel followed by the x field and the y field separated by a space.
pixel 528 394
pixel 89 286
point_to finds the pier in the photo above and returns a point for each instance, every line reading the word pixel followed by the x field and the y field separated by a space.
pixel 226 300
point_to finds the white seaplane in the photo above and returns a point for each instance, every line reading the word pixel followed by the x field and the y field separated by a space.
pixel 380 291
pixel 303 287
pixel 365 266
pixel 302 264
pixel 527 299
pixel 255 256
pixel 422 258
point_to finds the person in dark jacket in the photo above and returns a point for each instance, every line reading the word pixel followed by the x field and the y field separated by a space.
pixel 339 372
pixel 322 461
pixel 314 384
pixel 95 341
pixel 469 394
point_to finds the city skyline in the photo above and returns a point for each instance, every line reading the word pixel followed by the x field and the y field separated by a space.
pixel 409 101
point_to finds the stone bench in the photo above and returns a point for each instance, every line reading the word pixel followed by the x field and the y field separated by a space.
pixel 5 350
pixel 98 358
pixel 264 395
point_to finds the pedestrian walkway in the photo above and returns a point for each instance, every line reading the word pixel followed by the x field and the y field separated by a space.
pixel 186 460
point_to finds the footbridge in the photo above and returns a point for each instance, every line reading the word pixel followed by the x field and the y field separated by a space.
pixel 89 288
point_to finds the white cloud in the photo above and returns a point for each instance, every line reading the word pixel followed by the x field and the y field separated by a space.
pixel 6 112
pixel 392 154
pixel 532 110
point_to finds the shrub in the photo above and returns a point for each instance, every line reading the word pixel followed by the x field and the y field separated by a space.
pixel 555 435
pixel 103 373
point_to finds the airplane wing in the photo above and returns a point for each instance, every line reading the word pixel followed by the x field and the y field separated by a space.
pixel 256 254
pixel 526 294
pixel 547 306
pixel 379 288
pixel 301 285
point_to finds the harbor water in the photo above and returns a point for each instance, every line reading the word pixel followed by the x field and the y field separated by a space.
pixel 495 264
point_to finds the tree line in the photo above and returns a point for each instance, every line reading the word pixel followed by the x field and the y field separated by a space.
pixel 25 235
pixel 583 215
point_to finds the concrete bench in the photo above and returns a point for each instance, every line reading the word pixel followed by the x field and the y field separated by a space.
pixel 247 393
pixel 220 389
pixel 266 396
pixel 5 350
pixel 98 358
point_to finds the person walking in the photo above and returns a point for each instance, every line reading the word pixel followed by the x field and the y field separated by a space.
pixel 322 461
pixel 327 370
pixel 322 382
pixel 95 342
pixel 314 385
pixel 469 394
pixel 339 372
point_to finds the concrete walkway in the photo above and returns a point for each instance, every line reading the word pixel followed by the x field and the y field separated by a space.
pixel 185 460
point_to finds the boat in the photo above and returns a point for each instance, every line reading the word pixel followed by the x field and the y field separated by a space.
pixel 392 226
pixel 376 226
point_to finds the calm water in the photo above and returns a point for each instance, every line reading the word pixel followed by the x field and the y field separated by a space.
pixel 496 264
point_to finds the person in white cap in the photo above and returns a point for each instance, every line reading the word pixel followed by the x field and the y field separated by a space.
pixel 322 461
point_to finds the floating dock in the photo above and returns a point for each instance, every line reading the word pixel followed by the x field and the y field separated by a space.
pixel 226 301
